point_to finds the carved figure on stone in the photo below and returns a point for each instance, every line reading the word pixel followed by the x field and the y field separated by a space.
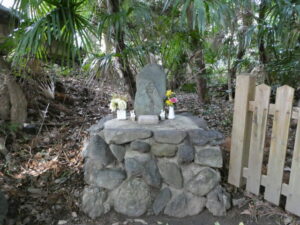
pixel 151 88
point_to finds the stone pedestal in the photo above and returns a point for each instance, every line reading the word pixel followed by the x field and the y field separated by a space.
pixel 169 168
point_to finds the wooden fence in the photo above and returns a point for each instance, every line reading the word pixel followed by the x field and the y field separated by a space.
pixel 251 109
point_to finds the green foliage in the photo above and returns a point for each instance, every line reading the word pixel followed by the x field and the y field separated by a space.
pixel 230 34
pixel 7 128
pixel 189 88
pixel 52 26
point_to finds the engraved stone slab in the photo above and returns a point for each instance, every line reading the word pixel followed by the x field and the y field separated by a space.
pixel 151 88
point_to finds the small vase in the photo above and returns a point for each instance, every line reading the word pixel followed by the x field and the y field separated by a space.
pixel 121 114
pixel 171 114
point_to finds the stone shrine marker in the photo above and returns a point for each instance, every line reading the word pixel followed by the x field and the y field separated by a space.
pixel 151 89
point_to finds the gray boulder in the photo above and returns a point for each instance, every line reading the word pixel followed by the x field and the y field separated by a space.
pixel 177 206
pixel 195 204
pixel 118 151
pixel 190 170
pixel 96 128
pixel 140 146
pixel 164 150
pixel 151 88
pixel 186 153
pixel 133 167
pixel 203 182
pixel 199 137
pixel 151 174
pixel 93 199
pixel 218 201
pixel 202 137
pixel 132 198
pixel 138 156
pixel 209 156
pixel 185 204
pixel 90 169
pixel 161 200
pixel 169 136
pixel 171 174
pixel 98 150
pixel 123 136
pixel 108 178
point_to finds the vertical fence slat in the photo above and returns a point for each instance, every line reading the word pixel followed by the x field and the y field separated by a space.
pixel 245 89
pixel 293 197
pixel 258 134
pixel 280 131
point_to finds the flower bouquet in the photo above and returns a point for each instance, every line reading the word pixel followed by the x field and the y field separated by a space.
pixel 171 101
pixel 119 104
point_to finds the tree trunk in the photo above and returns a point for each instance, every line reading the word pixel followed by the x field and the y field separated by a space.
pixel 198 59
pixel 201 81
pixel 247 22
pixel 13 100
pixel 261 42
pixel 113 6
pixel 232 71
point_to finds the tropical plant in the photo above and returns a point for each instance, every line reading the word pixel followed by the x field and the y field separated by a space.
pixel 55 28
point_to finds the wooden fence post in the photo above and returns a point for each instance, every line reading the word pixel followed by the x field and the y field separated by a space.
pixel 258 135
pixel 293 196
pixel 279 140
pixel 241 128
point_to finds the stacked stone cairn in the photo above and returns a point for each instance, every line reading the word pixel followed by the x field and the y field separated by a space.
pixel 170 167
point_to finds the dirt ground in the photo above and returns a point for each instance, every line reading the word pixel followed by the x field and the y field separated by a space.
pixel 235 216
pixel 42 175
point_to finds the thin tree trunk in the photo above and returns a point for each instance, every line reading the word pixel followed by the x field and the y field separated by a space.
pixel 113 6
pixel 261 42
pixel 201 82
pixel 198 60
pixel 233 70
pixel 247 22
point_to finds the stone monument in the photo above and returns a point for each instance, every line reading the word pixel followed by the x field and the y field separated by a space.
pixel 170 168
pixel 151 89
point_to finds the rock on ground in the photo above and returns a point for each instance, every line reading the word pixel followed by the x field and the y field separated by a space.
pixel 218 201
pixel 185 204
pixel 132 198
pixel 203 182
pixel 93 199
pixel 161 200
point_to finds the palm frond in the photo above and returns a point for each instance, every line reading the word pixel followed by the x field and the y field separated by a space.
pixel 53 22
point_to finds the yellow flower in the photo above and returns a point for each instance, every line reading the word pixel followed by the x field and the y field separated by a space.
pixel 169 103
pixel 169 93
